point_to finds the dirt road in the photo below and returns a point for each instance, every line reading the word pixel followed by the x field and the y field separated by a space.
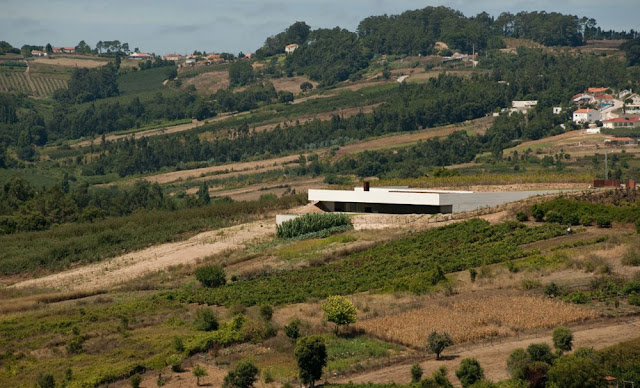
pixel 493 357
pixel 157 258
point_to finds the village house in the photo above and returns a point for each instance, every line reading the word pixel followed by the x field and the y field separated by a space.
pixel 597 90
pixel 38 53
pixel 523 106
pixel 587 115
pixel 603 100
pixel 622 122
pixel 289 49
pixel 582 98
pixel 173 57
pixel 140 56
pixel 214 58
pixel 620 141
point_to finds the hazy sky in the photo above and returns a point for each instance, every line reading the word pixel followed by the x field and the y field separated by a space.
pixel 163 26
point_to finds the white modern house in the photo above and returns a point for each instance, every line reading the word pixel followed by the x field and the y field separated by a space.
pixel 403 200
pixel 586 115
pixel 622 122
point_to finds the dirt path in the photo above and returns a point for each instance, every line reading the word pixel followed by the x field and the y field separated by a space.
pixel 493 357
pixel 29 80
pixel 136 264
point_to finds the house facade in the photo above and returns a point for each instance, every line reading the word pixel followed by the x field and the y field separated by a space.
pixel 289 49
pixel 587 115
pixel 173 57
pixel 622 122
pixel 140 56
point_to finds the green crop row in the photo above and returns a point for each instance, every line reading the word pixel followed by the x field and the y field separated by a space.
pixel 311 223
pixel 411 264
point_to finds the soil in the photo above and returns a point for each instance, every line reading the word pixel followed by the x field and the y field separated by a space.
pixel 70 62
pixel 493 356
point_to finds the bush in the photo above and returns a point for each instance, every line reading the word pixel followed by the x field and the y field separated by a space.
pixel 586 220
pixel 632 256
pixel 522 217
pixel 211 276
pixel 562 338
pixel 634 300
pixel 45 380
pixel 537 212
pixel 243 376
pixel 578 297
pixel 470 372
pixel 266 312
pixel 517 363
pixel 416 373
pixel 552 290
pixel 310 223
pixel 135 381
pixel 175 362
pixel 540 352
pixel 473 274
pixel 631 288
pixel 205 320
pixel 554 217
pixel 292 330
pixel 603 222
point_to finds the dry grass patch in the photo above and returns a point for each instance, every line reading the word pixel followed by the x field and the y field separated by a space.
pixel 474 317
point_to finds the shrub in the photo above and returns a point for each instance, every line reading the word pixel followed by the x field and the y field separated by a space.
pixel 578 297
pixel 437 342
pixel 603 222
pixel 45 380
pixel 562 338
pixel 199 371
pixel 632 256
pixel 551 290
pixel 634 300
pixel 537 212
pixel 586 220
pixel 175 362
pixel 211 276
pixel 266 312
pixel 135 380
pixel 205 320
pixel 243 376
pixel 473 274
pixel 517 363
pixel 554 217
pixel 530 284
pixel 292 330
pixel 310 223
pixel 632 287
pixel 522 217
pixel 416 372
pixel 469 372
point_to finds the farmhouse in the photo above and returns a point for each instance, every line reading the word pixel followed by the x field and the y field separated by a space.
pixel 620 141
pixel 38 53
pixel 173 57
pixel 586 116
pixel 289 49
pixel 622 122
pixel 140 56
pixel 403 200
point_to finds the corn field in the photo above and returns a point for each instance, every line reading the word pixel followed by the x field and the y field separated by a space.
pixel 471 318
pixel 310 223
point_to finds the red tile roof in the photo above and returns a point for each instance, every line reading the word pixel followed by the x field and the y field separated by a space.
pixel 584 110
pixel 623 119
pixel 620 139
pixel 292 45
pixel 69 48
pixel 597 90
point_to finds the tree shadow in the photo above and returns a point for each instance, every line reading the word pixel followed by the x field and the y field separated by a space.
pixel 448 358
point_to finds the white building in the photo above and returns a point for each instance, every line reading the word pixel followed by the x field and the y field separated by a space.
pixel 586 116
pixel 402 200
pixel 140 56
pixel 622 122
pixel 557 110
pixel 173 57
pixel 289 49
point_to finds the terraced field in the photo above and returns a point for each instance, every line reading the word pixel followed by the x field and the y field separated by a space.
pixel 44 84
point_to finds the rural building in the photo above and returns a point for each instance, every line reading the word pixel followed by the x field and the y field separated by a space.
pixel 622 122
pixel 603 99
pixel 56 49
pixel 173 57
pixel 402 200
pixel 586 116
pixel 215 58
pixel 69 50
pixel 38 53
pixel 140 56
pixel 582 98
pixel 289 49
pixel 522 106
pixel 597 90
pixel 557 110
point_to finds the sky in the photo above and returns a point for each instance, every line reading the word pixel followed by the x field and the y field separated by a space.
pixel 165 26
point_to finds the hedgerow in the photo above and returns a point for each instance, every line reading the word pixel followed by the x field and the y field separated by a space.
pixel 311 223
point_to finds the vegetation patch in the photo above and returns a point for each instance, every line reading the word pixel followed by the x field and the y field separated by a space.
pixel 306 225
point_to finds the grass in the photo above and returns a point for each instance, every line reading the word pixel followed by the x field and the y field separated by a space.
pixel 344 353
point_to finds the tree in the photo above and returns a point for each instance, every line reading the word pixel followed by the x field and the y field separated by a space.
pixel 199 371
pixel 285 97
pixel 205 320
pixel 517 364
pixel 339 310
pixel 48 48
pixel 211 276
pixel 416 372
pixel 562 338
pixel 306 86
pixel 241 73
pixel 243 376
pixel 203 195
pixel 266 312
pixel 311 356
pixel 574 372
pixel 540 352
pixel 437 342
pixel 469 372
